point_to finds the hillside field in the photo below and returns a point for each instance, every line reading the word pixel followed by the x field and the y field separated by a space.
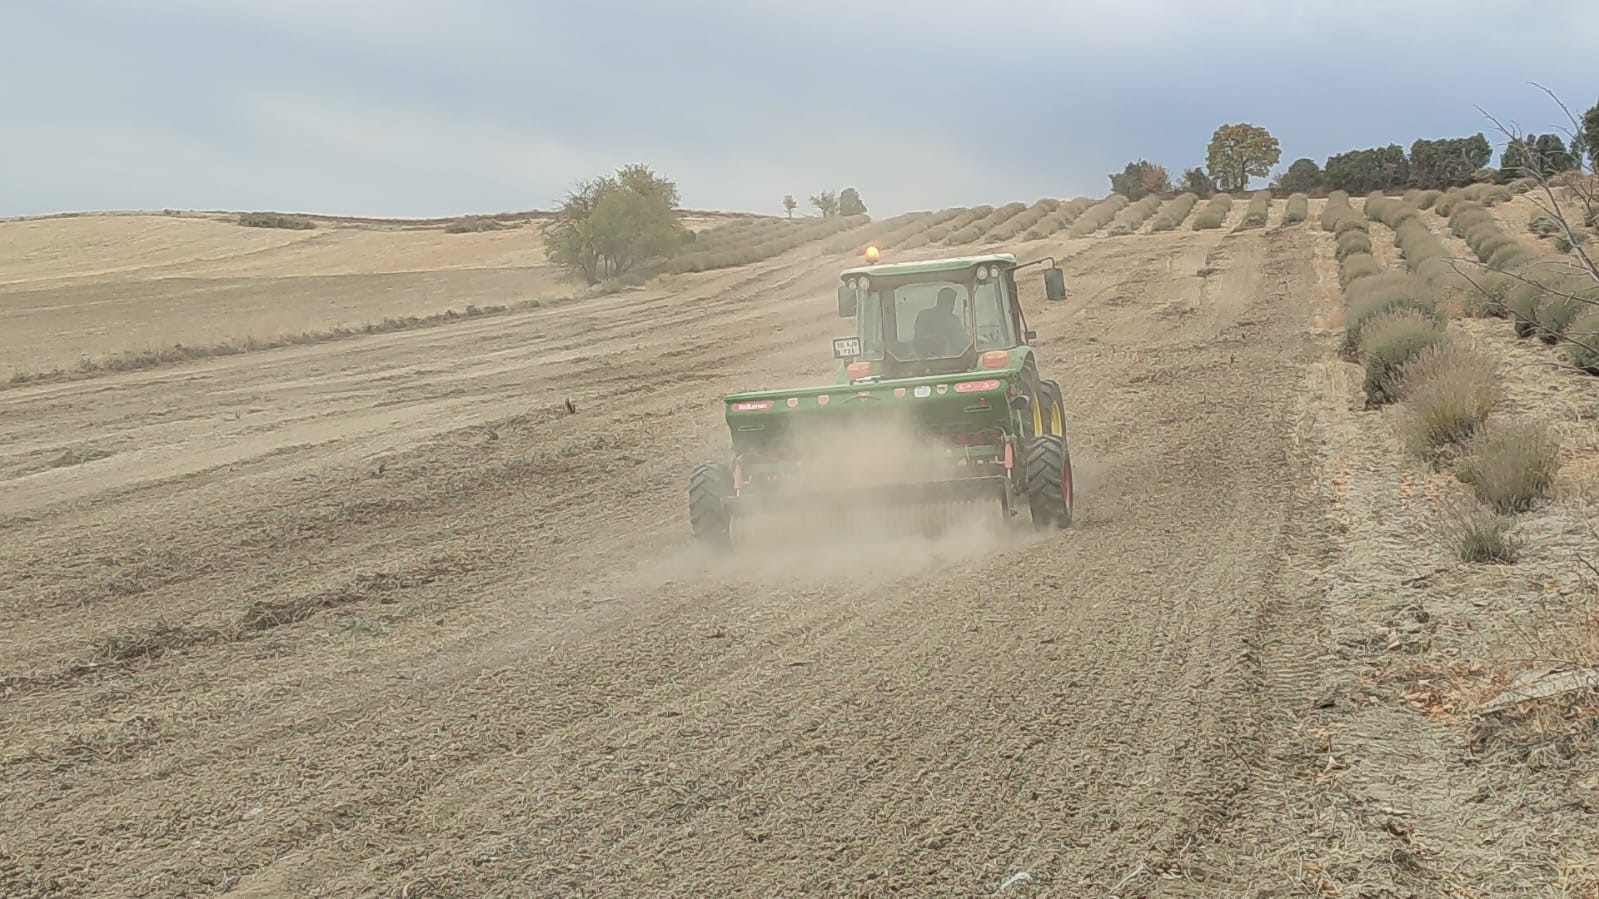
pixel 354 561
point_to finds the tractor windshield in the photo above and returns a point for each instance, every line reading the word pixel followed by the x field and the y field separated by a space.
pixel 927 320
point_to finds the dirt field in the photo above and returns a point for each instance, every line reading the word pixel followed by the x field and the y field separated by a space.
pixel 382 618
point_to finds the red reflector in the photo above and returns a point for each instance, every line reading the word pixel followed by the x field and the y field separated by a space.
pixel 996 358
pixel 752 405
pixel 973 386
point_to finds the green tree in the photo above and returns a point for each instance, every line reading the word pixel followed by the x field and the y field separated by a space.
pixel 1240 152
pixel 789 205
pixel 1140 179
pixel 849 203
pixel 1544 154
pixel 1590 134
pixel 1449 162
pixel 826 203
pixel 611 224
pixel 1363 171
pixel 1196 182
pixel 1303 176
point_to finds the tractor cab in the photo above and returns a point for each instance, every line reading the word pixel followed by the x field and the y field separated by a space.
pixel 933 317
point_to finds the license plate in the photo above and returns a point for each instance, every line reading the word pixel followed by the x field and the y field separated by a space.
pixel 846 347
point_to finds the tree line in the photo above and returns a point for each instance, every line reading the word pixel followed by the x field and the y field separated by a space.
pixel 1242 151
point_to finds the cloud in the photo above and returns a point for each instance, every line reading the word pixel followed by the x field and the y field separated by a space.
pixel 412 107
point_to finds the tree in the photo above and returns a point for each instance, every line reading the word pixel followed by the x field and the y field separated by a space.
pixel 1140 179
pixel 1240 152
pixel 789 205
pixel 610 224
pixel 1303 176
pixel 1449 162
pixel 1363 171
pixel 1196 182
pixel 1541 153
pixel 825 203
pixel 849 203
pixel 1590 134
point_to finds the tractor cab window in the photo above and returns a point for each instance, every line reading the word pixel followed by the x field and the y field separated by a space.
pixel 929 320
pixel 994 325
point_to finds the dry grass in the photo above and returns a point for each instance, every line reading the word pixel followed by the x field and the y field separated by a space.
pixel 1389 341
pixel 1512 465
pixel 1449 392
pixel 1475 533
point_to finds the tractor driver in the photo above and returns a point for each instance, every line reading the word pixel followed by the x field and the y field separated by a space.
pixel 940 326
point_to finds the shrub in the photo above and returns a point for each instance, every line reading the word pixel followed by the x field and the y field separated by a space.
pixel 1371 296
pixel 1130 218
pixel 475 223
pixel 275 220
pixel 1521 307
pixel 937 233
pixel 1449 391
pixel 1487 298
pixel 1060 218
pixel 1360 265
pixel 1297 210
pixel 1583 342
pixel 1544 225
pixel 1390 340
pixel 1259 208
pixel 1350 243
pixel 1555 315
pixel 1512 465
pixel 1099 216
pixel 977 229
pixel 1564 243
pixel 1427 198
pixel 1337 206
pixel 1024 220
pixel 1478 534
pixel 1174 213
pixel 1214 213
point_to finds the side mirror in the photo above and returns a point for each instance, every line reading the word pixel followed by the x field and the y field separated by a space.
pixel 1054 284
pixel 847 301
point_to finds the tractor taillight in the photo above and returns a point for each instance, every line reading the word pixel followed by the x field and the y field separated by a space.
pixel 996 358
pixel 753 405
pixel 859 370
pixel 975 386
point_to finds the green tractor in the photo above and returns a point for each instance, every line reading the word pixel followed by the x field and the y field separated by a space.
pixel 939 406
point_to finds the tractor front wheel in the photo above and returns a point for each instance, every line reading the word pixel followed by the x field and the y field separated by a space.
pixel 708 486
pixel 1049 481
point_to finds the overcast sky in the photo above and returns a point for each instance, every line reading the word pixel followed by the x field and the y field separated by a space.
pixel 442 107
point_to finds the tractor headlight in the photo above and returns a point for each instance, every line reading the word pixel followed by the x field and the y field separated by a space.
pixel 982 273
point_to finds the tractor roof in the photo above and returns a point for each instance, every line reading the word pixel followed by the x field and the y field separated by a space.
pixel 929 265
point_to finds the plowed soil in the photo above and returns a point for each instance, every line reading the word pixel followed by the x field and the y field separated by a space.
pixel 382 617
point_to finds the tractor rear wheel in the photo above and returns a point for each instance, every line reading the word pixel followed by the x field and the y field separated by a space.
pixel 1053 412
pixel 1049 481
pixel 708 486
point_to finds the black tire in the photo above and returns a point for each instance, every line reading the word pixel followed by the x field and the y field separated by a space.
pixel 1049 482
pixel 708 486
pixel 1054 413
